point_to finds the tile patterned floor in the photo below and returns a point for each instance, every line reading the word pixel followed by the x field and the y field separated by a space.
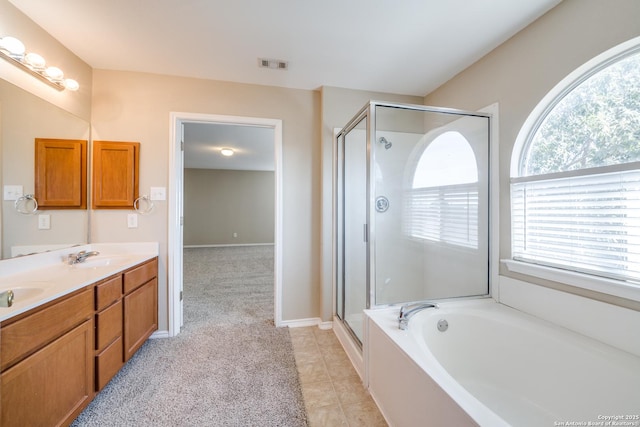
pixel 332 390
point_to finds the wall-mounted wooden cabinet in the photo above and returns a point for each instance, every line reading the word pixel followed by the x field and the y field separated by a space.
pixel 61 173
pixel 115 174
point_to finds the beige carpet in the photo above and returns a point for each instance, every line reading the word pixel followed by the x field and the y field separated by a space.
pixel 229 367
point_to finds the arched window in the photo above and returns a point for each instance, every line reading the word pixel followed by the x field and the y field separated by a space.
pixel 575 185
pixel 443 204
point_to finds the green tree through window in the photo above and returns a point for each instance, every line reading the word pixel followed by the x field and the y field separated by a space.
pixel 596 124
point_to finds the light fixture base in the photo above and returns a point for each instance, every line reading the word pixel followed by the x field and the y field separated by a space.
pixel 57 85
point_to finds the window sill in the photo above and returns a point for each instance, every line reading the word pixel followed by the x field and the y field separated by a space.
pixel 593 283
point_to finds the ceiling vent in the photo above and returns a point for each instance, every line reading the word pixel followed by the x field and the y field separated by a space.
pixel 275 64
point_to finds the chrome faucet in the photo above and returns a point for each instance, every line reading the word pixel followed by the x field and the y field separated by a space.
pixel 408 310
pixel 80 257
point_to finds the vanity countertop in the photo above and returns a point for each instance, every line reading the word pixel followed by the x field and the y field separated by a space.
pixel 38 279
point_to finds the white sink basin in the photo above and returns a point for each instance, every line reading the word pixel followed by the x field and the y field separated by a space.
pixel 22 293
pixel 103 261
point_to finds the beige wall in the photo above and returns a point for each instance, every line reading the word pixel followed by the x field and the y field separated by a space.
pixel 219 203
pixel 135 107
pixel 519 73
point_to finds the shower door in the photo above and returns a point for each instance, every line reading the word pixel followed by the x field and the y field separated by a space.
pixel 352 230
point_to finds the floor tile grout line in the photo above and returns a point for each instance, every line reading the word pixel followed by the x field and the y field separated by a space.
pixel 326 352
pixel 333 386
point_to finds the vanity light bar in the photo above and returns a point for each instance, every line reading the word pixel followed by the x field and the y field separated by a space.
pixel 14 51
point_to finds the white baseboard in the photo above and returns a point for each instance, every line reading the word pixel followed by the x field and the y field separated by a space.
pixel 159 334
pixel 301 323
pixel 227 245
pixel 325 325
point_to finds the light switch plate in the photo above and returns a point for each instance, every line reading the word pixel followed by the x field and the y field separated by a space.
pixel 158 193
pixel 12 192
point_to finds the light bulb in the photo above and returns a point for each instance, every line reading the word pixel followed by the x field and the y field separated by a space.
pixel 12 45
pixel 35 61
pixel 226 152
pixel 54 73
pixel 71 84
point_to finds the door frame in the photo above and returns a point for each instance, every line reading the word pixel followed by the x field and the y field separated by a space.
pixel 176 193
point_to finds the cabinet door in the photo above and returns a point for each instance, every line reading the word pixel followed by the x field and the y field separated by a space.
pixel 53 385
pixel 115 174
pixel 61 173
pixel 140 316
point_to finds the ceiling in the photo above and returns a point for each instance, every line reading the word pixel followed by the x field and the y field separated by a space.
pixel 407 47
pixel 253 146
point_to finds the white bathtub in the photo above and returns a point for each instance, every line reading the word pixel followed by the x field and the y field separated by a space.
pixel 495 366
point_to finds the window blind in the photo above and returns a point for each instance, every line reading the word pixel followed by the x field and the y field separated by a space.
pixel 588 223
pixel 446 214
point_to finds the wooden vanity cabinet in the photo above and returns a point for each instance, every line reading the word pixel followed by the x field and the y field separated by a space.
pixel 47 362
pixel 55 357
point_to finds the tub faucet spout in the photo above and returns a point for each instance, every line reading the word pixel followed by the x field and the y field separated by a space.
pixel 408 310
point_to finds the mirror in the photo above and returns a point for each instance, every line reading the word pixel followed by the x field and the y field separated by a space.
pixel 24 117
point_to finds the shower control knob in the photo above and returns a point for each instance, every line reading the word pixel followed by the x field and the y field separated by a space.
pixel 382 204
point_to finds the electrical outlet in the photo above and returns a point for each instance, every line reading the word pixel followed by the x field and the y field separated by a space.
pixel 235 235
pixel 132 220
pixel 44 222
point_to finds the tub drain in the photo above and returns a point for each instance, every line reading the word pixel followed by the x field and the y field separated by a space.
pixel 443 325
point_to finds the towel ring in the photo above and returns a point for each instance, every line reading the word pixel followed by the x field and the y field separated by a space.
pixel 24 201
pixel 136 205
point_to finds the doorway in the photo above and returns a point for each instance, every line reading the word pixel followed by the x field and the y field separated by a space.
pixel 176 205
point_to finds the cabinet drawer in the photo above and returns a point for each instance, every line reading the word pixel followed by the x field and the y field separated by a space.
pixel 24 336
pixel 140 275
pixel 108 325
pixel 108 292
pixel 108 363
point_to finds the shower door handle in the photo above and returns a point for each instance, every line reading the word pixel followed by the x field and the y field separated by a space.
pixel 365 234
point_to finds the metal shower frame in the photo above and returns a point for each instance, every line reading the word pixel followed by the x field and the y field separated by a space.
pixel 368 111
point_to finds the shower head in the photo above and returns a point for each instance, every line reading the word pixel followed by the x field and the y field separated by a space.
pixel 383 140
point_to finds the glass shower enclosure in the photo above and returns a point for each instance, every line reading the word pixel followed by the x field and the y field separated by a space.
pixel 412 208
